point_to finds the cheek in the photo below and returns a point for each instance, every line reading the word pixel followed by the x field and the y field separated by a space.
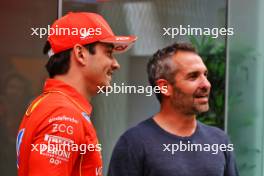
pixel 103 64
pixel 187 88
pixel 99 70
pixel 96 66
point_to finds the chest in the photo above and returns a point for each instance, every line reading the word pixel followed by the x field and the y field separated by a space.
pixel 183 160
pixel 90 150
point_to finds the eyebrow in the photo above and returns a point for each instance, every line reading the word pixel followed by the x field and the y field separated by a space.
pixel 110 46
pixel 196 73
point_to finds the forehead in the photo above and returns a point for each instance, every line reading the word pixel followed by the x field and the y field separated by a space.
pixel 188 62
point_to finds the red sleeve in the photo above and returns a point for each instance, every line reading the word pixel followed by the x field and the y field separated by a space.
pixel 54 150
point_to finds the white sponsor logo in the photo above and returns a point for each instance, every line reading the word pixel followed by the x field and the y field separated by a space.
pixel 89 32
pixel 53 150
pixel 55 161
pixel 57 139
pixel 63 118
pixel 122 38
pixel 59 153
pixel 98 171
pixel 62 128
pixel 84 35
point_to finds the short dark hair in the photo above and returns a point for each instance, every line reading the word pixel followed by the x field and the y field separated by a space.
pixel 59 63
pixel 160 65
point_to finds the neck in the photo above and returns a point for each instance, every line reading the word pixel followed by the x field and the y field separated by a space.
pixel 176 122
pixel 76 83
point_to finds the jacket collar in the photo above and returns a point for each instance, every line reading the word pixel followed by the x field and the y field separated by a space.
pixel 54 85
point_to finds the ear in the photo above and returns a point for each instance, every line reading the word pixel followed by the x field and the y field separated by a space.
pixel 165 87
pixel 79 54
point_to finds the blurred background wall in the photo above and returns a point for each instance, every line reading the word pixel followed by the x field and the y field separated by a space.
pixel 246 84
pixel 22 68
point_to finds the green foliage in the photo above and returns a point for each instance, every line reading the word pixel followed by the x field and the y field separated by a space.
pixel 213 55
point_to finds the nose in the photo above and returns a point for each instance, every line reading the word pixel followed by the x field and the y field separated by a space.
pixel 205 83
pixel 115 64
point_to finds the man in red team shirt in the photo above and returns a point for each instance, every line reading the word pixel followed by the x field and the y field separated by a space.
pixel 56 136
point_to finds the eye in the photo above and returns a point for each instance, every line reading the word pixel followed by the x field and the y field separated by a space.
pixel 109 53
pixel 206 74
pixel 192 76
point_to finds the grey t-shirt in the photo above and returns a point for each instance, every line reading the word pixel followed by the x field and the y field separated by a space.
pixel 148 150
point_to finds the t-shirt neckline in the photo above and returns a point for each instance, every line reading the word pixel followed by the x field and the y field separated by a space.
pixel 161 130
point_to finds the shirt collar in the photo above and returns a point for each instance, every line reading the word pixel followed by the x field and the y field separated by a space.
pixel 57 85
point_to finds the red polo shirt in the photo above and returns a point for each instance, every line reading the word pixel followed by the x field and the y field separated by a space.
pixel 56 136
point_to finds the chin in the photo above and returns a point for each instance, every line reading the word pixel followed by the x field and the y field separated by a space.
pixel 203 108
pixel 104 83
pixel 200 108
pixel 107 83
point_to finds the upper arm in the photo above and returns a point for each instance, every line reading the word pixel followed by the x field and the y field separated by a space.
pixel 231 168
pixel 51 148
pixel 127 158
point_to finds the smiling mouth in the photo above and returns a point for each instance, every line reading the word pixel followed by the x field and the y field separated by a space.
pixel 202 98
pixel 110 73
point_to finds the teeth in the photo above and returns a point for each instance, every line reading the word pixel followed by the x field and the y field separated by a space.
pixel 202 96
pixel 110 73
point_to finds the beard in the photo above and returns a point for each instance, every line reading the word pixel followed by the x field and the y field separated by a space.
pixel 188 103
